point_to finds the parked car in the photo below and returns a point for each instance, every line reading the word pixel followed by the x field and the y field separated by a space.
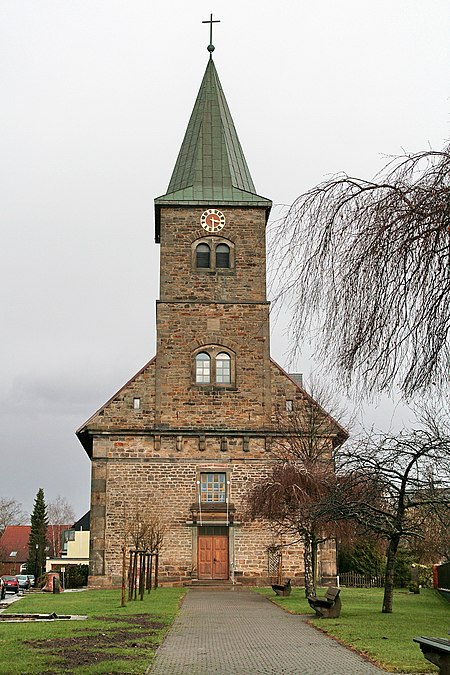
pixel 2 589
pixel 11 584
pixel 24 582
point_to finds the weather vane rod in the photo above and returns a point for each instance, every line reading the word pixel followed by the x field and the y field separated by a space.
pixel 210 21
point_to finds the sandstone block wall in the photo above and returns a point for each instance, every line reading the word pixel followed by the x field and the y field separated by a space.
pixel 179 280
pixel 151 441
pixel 136 478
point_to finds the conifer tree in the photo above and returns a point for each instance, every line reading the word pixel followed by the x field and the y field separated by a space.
pixel 37 544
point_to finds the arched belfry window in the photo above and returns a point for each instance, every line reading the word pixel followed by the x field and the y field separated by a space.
pixel 203 368
pixel 213 254
pixel 214 366
pixel 223 368
pixel 203 256
pixel 222 256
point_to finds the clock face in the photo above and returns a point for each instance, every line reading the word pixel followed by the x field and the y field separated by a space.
pixel 212 220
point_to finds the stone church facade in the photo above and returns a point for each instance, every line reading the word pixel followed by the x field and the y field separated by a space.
pixel 194 429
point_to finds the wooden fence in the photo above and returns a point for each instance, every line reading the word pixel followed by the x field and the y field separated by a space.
pixel 354 580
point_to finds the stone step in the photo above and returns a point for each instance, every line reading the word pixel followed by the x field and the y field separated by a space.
pixel 209 583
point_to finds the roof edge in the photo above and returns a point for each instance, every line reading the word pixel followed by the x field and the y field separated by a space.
pixel 82 432
pixel 342 434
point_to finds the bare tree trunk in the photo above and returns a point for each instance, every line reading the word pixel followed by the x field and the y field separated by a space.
pixel 124 574
pixel 389 575
pixel 135 561
pixel 149 572
pixel 142 575
pixel 156 570
pixel 130 577
pixel 314 546
pixel 308 560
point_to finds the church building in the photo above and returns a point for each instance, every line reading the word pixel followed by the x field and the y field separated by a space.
pixel 191 432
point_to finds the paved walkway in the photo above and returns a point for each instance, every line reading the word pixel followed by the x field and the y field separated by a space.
pixel 240 632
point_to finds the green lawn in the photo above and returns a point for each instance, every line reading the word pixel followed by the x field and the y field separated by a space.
pixel 113 639
pixel 117 639
pixel 385 638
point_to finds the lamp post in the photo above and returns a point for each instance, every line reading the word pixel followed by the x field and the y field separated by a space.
pixel 36 546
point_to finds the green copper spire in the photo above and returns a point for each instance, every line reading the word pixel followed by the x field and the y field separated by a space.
pixel 211 169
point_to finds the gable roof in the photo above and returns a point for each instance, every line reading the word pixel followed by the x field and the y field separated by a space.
pixel 211 168
pixel 15 539
pixel 83 523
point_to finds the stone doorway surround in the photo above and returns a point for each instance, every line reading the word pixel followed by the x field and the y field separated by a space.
pixel 212 553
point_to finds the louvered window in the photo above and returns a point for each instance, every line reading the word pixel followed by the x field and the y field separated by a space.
pixel 203 256
pixel 222 256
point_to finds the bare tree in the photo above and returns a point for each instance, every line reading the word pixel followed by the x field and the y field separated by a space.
pixel 392 484
pixel 60 515
pixel 295 495
pixel 144 531
pixel 11 513
pixel 144 528
pixel 366 265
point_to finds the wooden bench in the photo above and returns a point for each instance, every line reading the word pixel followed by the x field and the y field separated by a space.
pixel 436 650
pixel 283 589
pixel 328 607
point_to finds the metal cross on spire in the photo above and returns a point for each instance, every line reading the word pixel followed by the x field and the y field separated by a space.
pixel 210 21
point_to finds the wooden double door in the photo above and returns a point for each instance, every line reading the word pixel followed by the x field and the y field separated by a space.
pixel 212 548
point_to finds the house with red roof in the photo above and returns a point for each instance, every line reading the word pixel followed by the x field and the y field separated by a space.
pixel 14 546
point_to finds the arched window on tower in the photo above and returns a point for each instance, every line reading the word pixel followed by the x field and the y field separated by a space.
pixel 214 367
pixel 203 256
pixel 222 256
pixel 203 368
pixel 223 368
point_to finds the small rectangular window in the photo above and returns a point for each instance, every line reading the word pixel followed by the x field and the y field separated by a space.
pixel 213 487
pixel 136 403
pixel 289 406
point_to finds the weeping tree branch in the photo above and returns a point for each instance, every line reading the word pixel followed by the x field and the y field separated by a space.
pixel 365 266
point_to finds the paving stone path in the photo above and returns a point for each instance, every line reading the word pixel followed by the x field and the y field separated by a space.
pixel 240 632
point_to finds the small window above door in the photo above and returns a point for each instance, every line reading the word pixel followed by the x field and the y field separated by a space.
pixel 213 487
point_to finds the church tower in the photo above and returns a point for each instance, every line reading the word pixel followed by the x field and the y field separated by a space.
pixel 213 362
pixel 193 430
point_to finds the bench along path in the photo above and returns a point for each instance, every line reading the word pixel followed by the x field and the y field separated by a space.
pixel 239 631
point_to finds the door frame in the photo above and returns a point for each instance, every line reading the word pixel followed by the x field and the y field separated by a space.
pixel 221 531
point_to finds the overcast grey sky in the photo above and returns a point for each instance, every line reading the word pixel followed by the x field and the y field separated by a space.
pixel 95 99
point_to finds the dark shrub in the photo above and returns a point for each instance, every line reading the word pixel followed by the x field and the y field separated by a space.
pixel 76 576
pixel 364 558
